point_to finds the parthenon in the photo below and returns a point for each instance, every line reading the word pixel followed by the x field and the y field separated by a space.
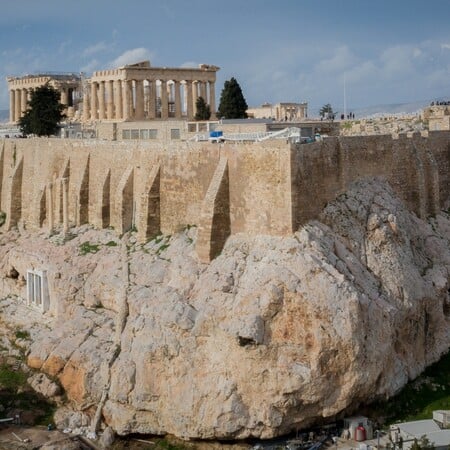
pixel 132 92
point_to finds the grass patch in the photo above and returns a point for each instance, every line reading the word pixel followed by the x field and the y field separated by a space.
pixel 164 444
pixel 87 247
pixel 11 379
pixel 28 401
pixel 22 334
pixel 163 247
pixel 2 218
pixel 346 125
pixel 111 244
pixel 17 395
pixel 419 398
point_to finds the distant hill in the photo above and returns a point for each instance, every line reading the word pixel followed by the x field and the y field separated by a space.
pixel 392 109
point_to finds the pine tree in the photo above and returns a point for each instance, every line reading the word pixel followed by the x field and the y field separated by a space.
pixel 232 102
pixel 326 111
pixel 203 110
pixel 44 112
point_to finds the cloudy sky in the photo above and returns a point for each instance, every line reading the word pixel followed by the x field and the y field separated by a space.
pixel 387 51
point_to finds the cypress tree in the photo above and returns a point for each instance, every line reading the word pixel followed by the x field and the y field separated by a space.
pixel 44 112
pixel 203 110
pixel 232 102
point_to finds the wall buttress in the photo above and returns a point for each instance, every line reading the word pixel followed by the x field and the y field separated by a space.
pixel 14 197
pixel 214 225
pixel 125 207
pixel 149 218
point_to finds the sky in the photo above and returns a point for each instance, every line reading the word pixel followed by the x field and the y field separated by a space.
pixel 377 52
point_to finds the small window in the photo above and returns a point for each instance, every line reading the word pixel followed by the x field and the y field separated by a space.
pixel 152 133
pixel 143 134
pixel 134 134
pixel 37 290
pixel 202 126
pixel 192 127
pixel 125 134
pixel 175 133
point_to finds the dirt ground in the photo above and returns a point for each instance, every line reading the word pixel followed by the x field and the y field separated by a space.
pixel 32 438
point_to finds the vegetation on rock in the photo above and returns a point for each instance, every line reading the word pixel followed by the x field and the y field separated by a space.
pixel 419 398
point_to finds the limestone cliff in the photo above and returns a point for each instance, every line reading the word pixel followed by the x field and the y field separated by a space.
pixel 273 334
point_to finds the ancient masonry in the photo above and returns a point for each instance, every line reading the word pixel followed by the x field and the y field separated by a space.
pixel 132 92
pixel 266 188
pixel 68 85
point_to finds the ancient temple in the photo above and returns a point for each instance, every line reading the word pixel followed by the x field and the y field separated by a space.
pixel 129 93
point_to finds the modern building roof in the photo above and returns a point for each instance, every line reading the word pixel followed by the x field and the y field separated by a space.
pixel 419 427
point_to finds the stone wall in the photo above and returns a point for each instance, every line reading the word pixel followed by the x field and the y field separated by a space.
pixel 417 169
pixel 264 188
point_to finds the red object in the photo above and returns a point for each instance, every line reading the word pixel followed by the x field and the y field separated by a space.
pixel 360 433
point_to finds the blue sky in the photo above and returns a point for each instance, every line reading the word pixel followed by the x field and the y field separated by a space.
pixel 285 50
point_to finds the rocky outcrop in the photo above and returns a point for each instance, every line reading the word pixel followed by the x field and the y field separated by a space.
pixel 272 335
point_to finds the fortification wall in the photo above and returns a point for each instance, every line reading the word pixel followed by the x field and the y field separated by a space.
pixel 417 169
pixel 264 188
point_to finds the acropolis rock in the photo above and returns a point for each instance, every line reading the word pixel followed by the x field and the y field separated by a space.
pixel 273 334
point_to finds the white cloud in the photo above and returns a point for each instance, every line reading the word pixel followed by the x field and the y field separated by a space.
pixel 92 65
pixel 363 72
pixel 131 57
pixel 95 48
pixel 445 46
pixel 342 59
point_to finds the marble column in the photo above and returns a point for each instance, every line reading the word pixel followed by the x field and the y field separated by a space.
pixel 195 95
pixel 24 100
pixel 118 101
pixel 152 99
pixel 12 105
pixel 94 103
pixel 101 100
pixel 189 99
pixel 126 85
pixel 109 100
pixel 212 99
pixel 203 91
pixel 164 100
pixel 18 105
pixel 139 115
pixel 177 88
pixel 86 111
pixel 64 97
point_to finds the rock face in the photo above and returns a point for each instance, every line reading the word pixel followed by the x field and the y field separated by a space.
pixel 273 334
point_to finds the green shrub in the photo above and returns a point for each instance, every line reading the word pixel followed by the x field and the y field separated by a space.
pixel 87 247
pixel 22 334
pixel 419 398
pixel 11 379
